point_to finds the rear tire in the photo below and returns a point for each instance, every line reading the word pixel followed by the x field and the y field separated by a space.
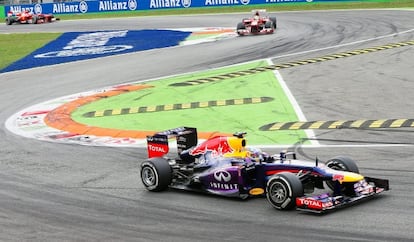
pixel 156 174
pixel 282 190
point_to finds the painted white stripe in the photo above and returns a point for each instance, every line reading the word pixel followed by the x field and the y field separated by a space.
pixel 346 44
pixel 294 103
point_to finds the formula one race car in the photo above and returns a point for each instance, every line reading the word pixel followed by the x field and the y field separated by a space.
pixel 225 166
pixel 27 17
pixel 259 23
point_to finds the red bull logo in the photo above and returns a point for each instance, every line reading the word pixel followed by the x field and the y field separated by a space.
pixel 221 146
pixel 218 145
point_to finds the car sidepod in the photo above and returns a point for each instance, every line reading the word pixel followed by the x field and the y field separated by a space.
pixel 222 181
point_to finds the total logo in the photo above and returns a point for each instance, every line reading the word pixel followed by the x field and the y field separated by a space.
pixel 156 148
pixel 310 202
pixel 90 44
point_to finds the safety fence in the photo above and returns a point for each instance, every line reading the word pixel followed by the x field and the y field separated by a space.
pixel 85 7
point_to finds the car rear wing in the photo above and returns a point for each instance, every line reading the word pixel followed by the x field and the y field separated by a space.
pixel 158 144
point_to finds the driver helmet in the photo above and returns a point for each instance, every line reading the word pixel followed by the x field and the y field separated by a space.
pixel 256 15
pixel 255 154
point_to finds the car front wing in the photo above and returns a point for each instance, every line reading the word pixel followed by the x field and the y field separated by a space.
pixel 364 190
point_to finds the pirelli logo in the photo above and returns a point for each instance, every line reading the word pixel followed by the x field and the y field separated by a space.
pixel 177 106
pixel 341 124
pixel 292 64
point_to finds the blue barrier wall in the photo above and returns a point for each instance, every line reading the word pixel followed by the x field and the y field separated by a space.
pixel 134 5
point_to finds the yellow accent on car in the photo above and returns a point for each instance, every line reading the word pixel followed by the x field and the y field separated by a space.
pixel 256 191
pixel 351 177
pixel 238 146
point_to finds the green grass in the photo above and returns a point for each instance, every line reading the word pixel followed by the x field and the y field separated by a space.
pixel 15 46
pixel 223 118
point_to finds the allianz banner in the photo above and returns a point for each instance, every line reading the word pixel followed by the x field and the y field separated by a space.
pixel 133 5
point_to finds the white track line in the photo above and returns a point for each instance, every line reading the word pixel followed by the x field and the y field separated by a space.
pixel 346 44
pixel 294 103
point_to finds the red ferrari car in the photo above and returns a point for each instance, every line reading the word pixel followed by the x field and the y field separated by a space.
pixel 28 17
pixel 259 23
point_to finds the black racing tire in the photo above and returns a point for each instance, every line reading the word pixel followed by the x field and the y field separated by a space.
pixel 240 26
pixel 274 21
pixel 34 19
pixel 9 21
pixel 282 189
pixel 342 163
pixel 156 174
pixel 268 25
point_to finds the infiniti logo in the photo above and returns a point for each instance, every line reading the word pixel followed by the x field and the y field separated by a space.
pixel 222 176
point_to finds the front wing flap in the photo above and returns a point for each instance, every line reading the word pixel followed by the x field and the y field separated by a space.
pixel 364 189
pixel 248 32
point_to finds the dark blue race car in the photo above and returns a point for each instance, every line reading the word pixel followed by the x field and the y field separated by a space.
pixel 225 166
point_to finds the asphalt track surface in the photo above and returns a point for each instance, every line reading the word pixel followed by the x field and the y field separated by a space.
pixel 69 192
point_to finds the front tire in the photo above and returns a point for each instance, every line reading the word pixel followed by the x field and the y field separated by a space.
pixel 268 25
pixel 9 21
pixel 343 163
pixel 274 21
pixel 34 19
pixel 240 26
pixel 156 174
pixel 282 190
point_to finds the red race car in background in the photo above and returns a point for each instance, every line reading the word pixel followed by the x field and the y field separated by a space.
pixel 27 17
pixel 259 23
